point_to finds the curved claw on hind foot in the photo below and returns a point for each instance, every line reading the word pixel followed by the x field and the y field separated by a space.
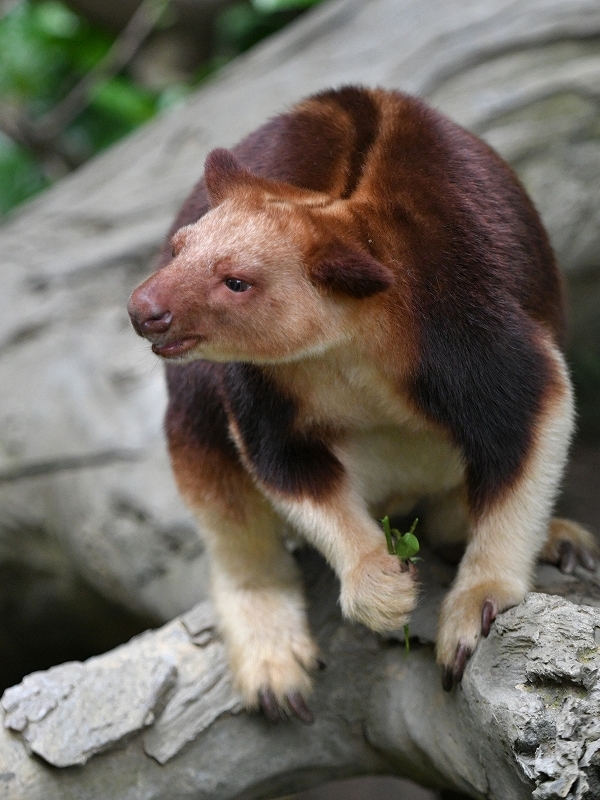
pixel 588 560
pixel 460 662
pixel 447 679
pixel 298 706
pixel 452 676
pixel 295 705
pixel 568 558
pixel 568 545
pixel 269 705
pixel 488 615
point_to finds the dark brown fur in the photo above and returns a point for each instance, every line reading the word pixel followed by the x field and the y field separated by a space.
pixel 476 264
pixel 365 221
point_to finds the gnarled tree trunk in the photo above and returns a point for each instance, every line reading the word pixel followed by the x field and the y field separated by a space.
pixel 85 488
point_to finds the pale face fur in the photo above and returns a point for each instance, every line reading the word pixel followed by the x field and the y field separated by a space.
pixel 281 317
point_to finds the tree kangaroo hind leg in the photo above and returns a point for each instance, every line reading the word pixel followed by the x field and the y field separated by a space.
pixel 570 544
pixel 260 602
pixel 507 536
pixel 256 585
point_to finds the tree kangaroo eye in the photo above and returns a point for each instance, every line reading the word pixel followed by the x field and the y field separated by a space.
pixel 237 285
pixel 330 372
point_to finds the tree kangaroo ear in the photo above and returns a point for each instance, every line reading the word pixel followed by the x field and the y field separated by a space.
pixel 351 271
pixel 223 172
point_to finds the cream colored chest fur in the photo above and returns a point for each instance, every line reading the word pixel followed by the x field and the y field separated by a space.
pixel 394 458
pixel 396 466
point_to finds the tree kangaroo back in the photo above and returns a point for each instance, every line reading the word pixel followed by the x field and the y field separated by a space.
pixel 361 311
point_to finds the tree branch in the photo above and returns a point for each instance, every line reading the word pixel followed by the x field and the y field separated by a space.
pixel 42 136
pixel 525 719
pixel 527 711
pixel 141 24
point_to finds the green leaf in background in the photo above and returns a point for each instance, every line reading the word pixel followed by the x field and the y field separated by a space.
pixel 55 19
pixel 46 49
pixel 20 176
pixel 125 101
pixel 31 63
pixel 241 25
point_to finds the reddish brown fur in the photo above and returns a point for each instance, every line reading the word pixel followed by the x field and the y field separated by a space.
pixel 389 271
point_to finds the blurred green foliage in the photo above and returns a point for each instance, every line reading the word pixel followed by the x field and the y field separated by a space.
pixel 46 49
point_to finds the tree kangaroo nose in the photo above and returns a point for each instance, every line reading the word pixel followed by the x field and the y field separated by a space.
pixel 147 315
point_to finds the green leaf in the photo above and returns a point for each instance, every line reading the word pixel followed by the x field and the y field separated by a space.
pixel 407 546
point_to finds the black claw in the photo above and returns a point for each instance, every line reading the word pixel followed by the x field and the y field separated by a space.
pixel 321 665
pixel 298 706
pixel 568 558
pixel 488 615
pixel 268 704
pixel 447 679
pixel 460 662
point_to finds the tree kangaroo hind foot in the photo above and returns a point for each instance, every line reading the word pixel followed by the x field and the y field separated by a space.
pixel 568 545
pixel 359 302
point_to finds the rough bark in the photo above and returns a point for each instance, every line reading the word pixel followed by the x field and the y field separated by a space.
pixel 85 489
pixel 157 718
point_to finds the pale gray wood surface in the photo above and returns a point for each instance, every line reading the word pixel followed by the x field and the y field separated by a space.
pixel 84 482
